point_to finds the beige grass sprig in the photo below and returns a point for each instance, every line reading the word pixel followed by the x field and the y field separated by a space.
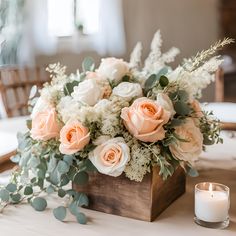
pixel 201 57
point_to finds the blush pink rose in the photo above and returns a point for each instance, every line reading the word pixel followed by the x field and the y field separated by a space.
pixel 144 119
pixel 73 137
pixel 45 125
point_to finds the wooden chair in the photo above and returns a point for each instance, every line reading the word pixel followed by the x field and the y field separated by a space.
pixel 220 98
pixel 15 86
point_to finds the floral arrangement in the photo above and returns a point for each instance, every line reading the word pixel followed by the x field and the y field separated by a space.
pixel 121 118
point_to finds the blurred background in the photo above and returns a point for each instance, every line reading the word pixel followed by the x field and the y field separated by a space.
pixel 34 33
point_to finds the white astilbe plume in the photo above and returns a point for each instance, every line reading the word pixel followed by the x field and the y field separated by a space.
pixel 170 55
pixel 155 52
pixel 156 60
pixel 197 80
pixel 135 56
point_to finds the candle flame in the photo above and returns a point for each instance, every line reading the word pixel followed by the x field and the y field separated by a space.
pixel 210 187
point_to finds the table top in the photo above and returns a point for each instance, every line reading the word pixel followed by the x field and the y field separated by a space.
pixel 8 131
pixel 176 220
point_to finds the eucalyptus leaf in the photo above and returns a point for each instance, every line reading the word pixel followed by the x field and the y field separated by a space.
pixel 15 158
pixel 81 218
pixel 126 78
pixel 68 159
pixel 28 190
pixel 88 64
pixel 33 91
pixel 63 167
pixel 52 164
pixel 29 124
pixel 61 193
pixel 81 178
pixel 50 189
pixel 192 172
pixel 73 208
pixel 25 157
pixel 162 71
pixel 183 95
pixel 72 172
pixel 34 162
pixel 207 140
pixel 150 82
pixel 163 81
pixel 16 197
pixel 40 183
pixel 4 195
pixel 60 213
pixel 182 108
pixel 11 187
pixel 41 173
pixel 176 122
pixel 83 200
pixel 39 204
pixel 64 180
pixel 69 87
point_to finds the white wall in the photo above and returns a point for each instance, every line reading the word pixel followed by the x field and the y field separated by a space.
pixel 190 25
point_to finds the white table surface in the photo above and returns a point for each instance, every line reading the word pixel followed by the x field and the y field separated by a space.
pixel 8 130
pixel 176 220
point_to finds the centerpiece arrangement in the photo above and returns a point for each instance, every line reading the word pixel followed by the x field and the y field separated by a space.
pixel 120 122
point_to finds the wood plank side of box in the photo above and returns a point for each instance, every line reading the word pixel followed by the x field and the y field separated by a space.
pixel 139 200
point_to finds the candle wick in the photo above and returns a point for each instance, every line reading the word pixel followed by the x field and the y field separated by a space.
pixel 212 195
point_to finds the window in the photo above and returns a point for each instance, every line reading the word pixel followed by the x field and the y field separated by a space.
pixel 65 17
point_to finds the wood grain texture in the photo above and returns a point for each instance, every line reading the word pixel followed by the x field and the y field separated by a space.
pixel 15 86
pixel 139 200
pixel 5 161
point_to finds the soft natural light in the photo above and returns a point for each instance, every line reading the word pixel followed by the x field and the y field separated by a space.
pixel 65 15
pixel 61 17
pixel 87 14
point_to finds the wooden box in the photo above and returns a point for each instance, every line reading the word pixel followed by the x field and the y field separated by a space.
pixel 139 200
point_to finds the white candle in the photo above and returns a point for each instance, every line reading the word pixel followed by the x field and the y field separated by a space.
pixel 211 205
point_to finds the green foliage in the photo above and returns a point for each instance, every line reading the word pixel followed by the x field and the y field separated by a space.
pixel 60 213
pixel 69 87
pixel 210 127
pixel 81 218
pixel 4 195
pixel 11 187
pixel 163 81
pixel 155 79
pixel 81 178
pixel 88 64
pixel 28 190
pixel 191 171
pixel 16 198
pixel 182 108
pixel 39 204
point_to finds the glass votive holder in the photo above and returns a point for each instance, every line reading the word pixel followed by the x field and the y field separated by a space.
pixel 212 202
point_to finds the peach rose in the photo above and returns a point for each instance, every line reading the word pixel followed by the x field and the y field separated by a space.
pixel 145 119
pixel 192 148
pixel 111 156
pixel 196 108
pixel 73 137
pixel 45 125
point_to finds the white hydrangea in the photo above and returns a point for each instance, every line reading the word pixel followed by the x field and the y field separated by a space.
pixel 68 109
pixel 139 164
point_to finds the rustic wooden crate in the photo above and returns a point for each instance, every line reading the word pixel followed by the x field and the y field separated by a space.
pixel 139 200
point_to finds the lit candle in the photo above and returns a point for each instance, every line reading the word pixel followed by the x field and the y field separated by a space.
pixel 212 205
